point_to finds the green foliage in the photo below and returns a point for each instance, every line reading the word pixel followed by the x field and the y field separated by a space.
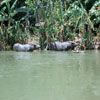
pixel 59 20
pixel 95 11
pixel 11 30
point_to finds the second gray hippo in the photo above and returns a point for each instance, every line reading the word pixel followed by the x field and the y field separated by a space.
pixel 25 47
pixel 61 46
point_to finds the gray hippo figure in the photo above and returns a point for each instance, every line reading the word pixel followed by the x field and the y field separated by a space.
pixel 61 46
pixel 25 47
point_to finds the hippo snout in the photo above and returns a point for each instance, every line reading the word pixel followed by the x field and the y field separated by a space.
pixel 37 46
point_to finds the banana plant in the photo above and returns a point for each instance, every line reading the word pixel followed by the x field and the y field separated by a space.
pixel 95 11
pixel 80 19
pixel 8 11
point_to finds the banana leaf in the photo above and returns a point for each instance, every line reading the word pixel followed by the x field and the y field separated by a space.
pixel 3 18
pixel 22 9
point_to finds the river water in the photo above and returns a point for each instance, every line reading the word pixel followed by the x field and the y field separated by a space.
pixel 49 75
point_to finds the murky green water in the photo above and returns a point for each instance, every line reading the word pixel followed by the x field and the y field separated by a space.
pixel 49 75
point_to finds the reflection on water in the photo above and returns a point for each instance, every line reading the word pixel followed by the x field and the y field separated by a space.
pixel 22 55
pixel 49 75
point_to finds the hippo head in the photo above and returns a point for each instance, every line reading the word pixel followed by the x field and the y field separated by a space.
pixel 74 44
pixel 34 47
pixel 37 47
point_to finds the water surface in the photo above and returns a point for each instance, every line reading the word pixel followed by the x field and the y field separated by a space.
pixel 49 75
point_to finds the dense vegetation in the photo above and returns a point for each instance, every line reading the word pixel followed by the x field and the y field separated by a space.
pixel 48 20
